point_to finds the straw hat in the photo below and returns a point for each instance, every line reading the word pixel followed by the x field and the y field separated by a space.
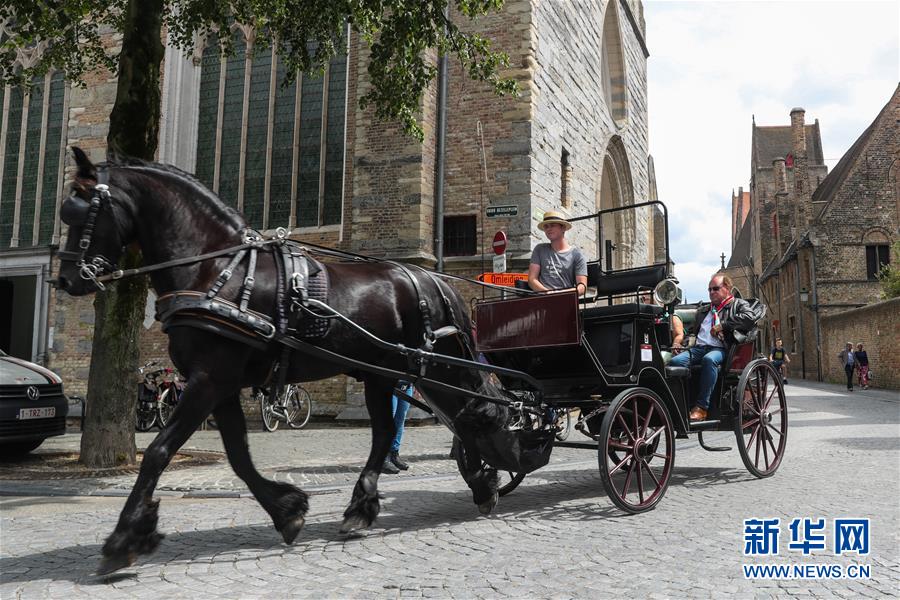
pixel 551 217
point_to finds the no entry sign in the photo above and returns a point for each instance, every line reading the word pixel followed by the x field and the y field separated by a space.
pixel 499 243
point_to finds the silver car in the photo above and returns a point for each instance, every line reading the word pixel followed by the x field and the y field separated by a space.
pixel 32 406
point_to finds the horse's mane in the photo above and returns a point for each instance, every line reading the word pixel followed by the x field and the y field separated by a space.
pixel 211 201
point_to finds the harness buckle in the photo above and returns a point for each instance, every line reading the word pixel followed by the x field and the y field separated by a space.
pixel 117 274
pixel 84 243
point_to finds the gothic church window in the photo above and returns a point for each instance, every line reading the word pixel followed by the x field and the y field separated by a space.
pixel 32 155
pixel 612 66
pixel 274 152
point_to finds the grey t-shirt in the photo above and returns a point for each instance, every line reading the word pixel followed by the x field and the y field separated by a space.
pixel 558 269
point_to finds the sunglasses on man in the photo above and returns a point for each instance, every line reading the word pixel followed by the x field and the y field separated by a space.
pixel 714 288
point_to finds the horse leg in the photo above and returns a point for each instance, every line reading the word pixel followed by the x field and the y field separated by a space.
pixel 285 503
pixel 482 479
pixel 364 505
pixel 135 533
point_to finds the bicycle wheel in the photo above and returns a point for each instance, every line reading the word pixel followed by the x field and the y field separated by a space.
pixel 563 424
pixel 297 406
pixel 146 416
pixel 270 421
pixel 165 406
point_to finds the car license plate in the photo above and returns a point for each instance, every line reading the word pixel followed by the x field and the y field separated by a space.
pixel 37 413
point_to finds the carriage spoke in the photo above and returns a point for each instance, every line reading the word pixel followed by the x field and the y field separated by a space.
pixel 769 399
pixel 647 421
pixel 650 471
pixel 619 445
pixel 753 436
pixel 619 466
pixel 640 480
pixel 625 427
pixel 627 484
pixel 770 439
pixel 634 415
pixel 655 435
pixel 751 422
pixel 773 428
pixel 757 430
pixel 764 447
pixel 662 456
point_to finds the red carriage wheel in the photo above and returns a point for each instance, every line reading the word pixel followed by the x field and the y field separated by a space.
pixel 636 429
pixel 761 418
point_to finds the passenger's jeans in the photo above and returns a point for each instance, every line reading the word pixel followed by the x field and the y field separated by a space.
pixel 399 407
pixel 710 358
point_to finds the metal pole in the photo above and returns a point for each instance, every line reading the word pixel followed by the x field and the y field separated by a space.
pixel 439 159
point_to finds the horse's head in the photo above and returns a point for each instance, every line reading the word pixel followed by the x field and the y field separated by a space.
pixel 98 229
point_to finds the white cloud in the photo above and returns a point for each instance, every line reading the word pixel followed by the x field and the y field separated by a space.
pixel 714 64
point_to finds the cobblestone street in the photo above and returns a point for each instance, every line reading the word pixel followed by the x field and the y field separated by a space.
pixel 556 536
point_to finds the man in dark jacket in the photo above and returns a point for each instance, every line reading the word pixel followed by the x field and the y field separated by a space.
pixel 724 321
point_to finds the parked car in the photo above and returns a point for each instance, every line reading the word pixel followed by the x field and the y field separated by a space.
pixel 32 406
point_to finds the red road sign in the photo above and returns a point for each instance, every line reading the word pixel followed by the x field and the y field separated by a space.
pixel 499 243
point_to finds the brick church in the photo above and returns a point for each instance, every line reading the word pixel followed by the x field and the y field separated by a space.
pixel 811 243
pixel 307 158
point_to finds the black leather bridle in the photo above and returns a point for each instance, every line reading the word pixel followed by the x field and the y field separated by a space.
pixel 76 211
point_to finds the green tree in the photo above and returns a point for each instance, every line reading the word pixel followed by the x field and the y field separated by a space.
pixel 890 276
pixel 305 33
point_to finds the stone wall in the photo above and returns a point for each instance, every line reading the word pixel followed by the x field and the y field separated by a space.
pixel 877 327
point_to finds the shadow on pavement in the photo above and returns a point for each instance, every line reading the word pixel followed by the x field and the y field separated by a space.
pixel 541 498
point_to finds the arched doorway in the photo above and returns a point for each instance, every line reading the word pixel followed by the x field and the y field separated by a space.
pixel 617 242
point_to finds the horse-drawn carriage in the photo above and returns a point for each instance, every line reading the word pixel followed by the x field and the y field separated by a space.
pixel 606 355
pixel 242 310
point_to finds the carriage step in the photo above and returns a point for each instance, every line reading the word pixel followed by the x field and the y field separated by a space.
pixel 711 448
pixel 705 425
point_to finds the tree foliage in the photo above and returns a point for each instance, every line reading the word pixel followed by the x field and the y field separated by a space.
pixel 890 276
pixel 305 33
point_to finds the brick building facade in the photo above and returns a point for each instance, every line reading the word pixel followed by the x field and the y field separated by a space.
pixel 814 242
pixel 306 157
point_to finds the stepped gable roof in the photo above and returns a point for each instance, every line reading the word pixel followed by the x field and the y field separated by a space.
pixel 740 254
pixel 774 141
pixel 832 183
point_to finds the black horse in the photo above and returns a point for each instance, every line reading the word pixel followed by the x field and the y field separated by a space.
pixel 142 200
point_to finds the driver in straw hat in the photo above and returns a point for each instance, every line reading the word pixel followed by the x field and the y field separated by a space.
pixel 556 265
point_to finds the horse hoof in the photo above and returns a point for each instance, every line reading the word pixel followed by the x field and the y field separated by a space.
pixel 291 529
pixel 354 523
pixel 485 508
pixel 111 564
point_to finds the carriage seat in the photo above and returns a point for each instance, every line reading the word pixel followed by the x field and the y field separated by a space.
pixel 624 282
pixel 615 310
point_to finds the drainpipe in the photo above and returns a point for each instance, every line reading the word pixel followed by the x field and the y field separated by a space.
pixel 439 159
pixel 800 313
pixel 815 295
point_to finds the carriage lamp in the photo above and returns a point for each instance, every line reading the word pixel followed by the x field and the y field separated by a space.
pixel 667 292
pixel 804 295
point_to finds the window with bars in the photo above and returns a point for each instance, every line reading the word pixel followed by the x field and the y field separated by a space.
pixel 876 257
pixel 32 152
pixel 274 152
pixel 460 235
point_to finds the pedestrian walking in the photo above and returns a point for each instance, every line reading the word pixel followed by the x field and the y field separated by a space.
pixel 399 407
pixel 862 366
pixel 849 363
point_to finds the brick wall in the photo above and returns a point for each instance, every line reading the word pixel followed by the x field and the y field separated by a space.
pixel 877 327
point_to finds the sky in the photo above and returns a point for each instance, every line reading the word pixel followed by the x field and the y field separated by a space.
pixel 713 65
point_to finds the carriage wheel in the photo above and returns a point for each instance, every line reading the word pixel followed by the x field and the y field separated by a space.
pixel 508 481
pixel 636 428
pixel 761 421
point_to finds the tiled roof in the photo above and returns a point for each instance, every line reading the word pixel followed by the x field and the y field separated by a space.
pixel 771 142
pixel 832 183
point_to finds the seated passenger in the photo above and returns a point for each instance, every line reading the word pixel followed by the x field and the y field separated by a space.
pixel 716 325
pixel 676 329
pixel 557 265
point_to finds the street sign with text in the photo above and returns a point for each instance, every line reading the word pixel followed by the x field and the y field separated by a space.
pixel 501 211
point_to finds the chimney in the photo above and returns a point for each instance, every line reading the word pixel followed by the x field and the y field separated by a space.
pixel 780 175
pixel 802 197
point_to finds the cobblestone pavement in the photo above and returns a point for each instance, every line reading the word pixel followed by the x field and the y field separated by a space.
pixel 556 536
